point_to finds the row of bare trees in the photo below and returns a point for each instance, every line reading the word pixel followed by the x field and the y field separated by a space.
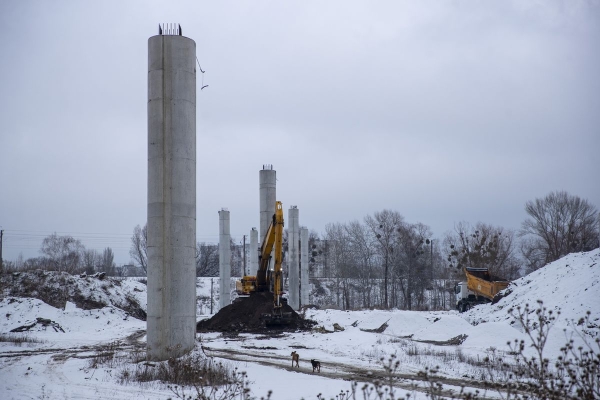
pixel 67 254
pixel 382 262
pixel 558 224
pixel 386 262
pixel 392 263
pixel 207 254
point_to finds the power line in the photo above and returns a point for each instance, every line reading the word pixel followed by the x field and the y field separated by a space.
pixel 21 239
pixel 68 233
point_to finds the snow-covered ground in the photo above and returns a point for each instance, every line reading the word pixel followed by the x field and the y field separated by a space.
pixel 58 364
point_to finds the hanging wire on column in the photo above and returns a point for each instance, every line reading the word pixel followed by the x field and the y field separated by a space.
pixel 202 86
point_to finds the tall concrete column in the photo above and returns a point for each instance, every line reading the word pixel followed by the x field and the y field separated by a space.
pixel 224 259
pixel 253 254
pixel 294 257
pixel 267 192
pixel 171 321
pixel 304 285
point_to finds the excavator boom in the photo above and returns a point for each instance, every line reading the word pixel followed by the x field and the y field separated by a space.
pixel 274 281
pixel 273 238
pixel 265 278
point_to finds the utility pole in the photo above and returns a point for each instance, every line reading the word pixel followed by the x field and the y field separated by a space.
pixel 211 295
pixel 431 257
pixel 244 274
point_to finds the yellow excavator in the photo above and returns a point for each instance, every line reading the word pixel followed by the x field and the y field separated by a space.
pixel 265 278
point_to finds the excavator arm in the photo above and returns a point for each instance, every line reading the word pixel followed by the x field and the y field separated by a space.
pixel 277 275
pixel 273 238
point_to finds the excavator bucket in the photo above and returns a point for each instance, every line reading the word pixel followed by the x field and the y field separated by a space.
pixel 277 318
pixel 274 320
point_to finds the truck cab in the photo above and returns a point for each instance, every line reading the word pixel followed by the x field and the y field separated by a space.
pixel 462 294
pixel 467 298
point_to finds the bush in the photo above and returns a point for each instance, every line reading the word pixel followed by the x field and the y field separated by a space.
pixel 18 339
pixel 574 375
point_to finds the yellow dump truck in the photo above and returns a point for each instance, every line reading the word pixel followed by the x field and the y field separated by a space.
pixel 481 287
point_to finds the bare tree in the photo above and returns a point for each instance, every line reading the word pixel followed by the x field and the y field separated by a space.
pixel 385 225
pixel 339 261
pixel 207 259
pixel 107 262
pixel 533 253
pixel 362 250
pixel 411 263
pixel 483 246
pixel 63 253
pixel 558 224
pixel 139 247
pixel 90 261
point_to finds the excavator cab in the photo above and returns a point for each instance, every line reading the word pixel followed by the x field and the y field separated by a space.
pixel 246 285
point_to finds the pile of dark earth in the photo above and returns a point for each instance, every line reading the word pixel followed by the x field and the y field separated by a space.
pixel 245 315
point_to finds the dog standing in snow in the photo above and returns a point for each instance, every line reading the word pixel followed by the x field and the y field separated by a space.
pixel 316 365
pixel 296 358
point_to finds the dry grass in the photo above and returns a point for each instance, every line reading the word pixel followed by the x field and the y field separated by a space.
pixel 18 339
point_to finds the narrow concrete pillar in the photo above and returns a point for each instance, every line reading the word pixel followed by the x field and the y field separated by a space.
pixel 268 196
pixel 253 253
pixel 294 257
pixel 224 259
pixel 304 285
pixel 171 321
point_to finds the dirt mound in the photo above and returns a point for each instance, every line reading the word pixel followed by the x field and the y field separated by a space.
pixel 245 315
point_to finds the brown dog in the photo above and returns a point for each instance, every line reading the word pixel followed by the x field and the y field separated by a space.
pixel 296 358
pixel 316 365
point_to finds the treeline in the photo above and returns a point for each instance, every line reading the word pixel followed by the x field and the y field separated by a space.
pixel 382 260
pixel 67 254
pixel 386 262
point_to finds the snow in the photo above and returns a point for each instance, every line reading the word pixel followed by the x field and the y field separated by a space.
pixel 57 364
pixel 570 285
pixel 80 326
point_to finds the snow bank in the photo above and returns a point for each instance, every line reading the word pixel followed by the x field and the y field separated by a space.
pixel 76 324
pixel 570 285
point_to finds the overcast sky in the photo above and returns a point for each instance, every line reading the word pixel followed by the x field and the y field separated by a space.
pixel 444 111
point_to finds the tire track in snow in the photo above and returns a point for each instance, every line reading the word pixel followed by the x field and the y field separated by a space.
pixel 347 372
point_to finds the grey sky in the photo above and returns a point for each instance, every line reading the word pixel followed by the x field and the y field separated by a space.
pixel 444 111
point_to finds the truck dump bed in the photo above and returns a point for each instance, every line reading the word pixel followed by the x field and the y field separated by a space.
pixel 480 281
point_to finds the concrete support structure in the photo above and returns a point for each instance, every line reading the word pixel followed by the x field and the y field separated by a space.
pixel 268 195
pixel 253 253
pixel 304 285
pixel 224 259
pixel 294 257
pixel 171 321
